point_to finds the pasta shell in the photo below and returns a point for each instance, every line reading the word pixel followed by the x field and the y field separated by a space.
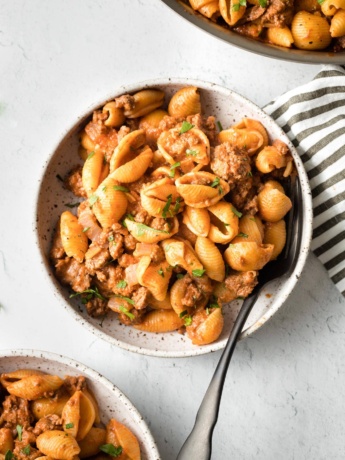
pixel 185 102
pixel 250 140
pixel 116 117
pixel 250 229
pixel 280 36
pixel 248 256
pixel 34 386
pixel 337 28
pixel 197 220
pixel 221 291
pixel 92 170
pixel 86 142
pixel 93 400
pixel 109 203
pixel 119 435
pixel 179 252
pixel 57 444
pixel 127 149
pixel 310 31
pixel 78 415
pixel 210 258
pixel 224 222
pixel 145 101
pixel 46 406
pixel 134 169
pixel 152 119
pixel 231 10
pixel 201 189
pixel 330 7
pixel 253 125
pixel 10 377
pixel 155 277
pixel 205 328
pixel 90 445
pixel 273 204
pixel 74 241
pixel 269 158
pixel 208 8
pixel 160 321
pixel 164 304
pixel 146 234
pixel 6 440
pixel 160 198
pixel 275 233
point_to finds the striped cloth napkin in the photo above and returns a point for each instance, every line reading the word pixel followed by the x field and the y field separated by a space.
pixel 313 117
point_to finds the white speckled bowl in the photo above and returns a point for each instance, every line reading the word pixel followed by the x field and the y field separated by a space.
pixel 228 107
pixel 112 402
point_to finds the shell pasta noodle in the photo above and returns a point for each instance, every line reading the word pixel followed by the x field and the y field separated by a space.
pixel 302 24
pixel 45 416
pixel 182 219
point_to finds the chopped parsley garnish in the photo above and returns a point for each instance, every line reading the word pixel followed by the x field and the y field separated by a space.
pixel 90 155
pixel 177 205
pixel 187 320
pixel 85 229
pixel 59 177
pixel 110 449
pixel 111 238
pixel 91 293
pixel 250 174
pixel 237 213
pixel 243 235
pixel 173 167
pixel 125 311
pixel 142 227
pixel 180 276
pixel 216 182
pixel 220 127
pixel 198 272
pixel 127 299
pixel 191 152
pixel 186 126
pixel 252 218
pixel 167 206
pixel 9 455
pixel 263 3
pixel 104 188
pixel 93 199
pixel 240 297
pixel 214 305
pixel 129 217
pixel 161 272
pixel 320 2
pixel 121 284
pixel 183 313
pixel 19 431
pixel 72 205
pixel 26 450
pixel 236 6
pixel 121 188
pixel 69 425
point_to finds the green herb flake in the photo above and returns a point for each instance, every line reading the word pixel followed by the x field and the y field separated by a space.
pixel 192 152
pixel 167 206
pixel 236 6
pixel 111 238
pixel 85 229
pixel 26 450
pixel 125 311
pixel 252 218
pixel 72 205
pixel 220 190
pixel 9 455
pixel 127 299
pixel 121 284
pixel 19 429
pixel 237 213
pixel 90 155
pixel 220 127
pixel 93 199
pixel 177 205
pixel 243 235
pixel 180 276
pixel 186 126
pixel 263 3
pixel 173 167
pixel 110 449
pixel 240 297
pixel 216 182
pixel 121 188
pixel 250 174
pixel 198 272
pixel 320 2
pixel 141 228
pixel 187 320
pixel 91 293
pixel 69 425
pixel 161 272
pixel 104 188
pixel 214 305
pixel 183 313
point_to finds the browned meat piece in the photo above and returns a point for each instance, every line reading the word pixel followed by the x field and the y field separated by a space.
pixel 126 260
pixel 250 29
pixel 137 185
pixel 96 307
pixel 134 317
pixel 279 13
pixel 123 131
pixel 139 213
pixel 16 411
pixel 71 272
pixel 239 284
pixel 130 242
pixel 99 260
pixel 57 251
pixel 73 384
pixel 23 451
pixel 126 102
pixel 186 234
pixel 160 224
pixel 116 245
pixel 157 254
pixel 230 163
pixel 339 44
pixel 73 182
pixel 252 14
pixel 281 146
pixel 103 136
pixel 108 278
pixel 49 422
pixel 192 294
pixel 140 298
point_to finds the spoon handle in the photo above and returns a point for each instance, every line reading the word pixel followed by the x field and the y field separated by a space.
pixel 199 442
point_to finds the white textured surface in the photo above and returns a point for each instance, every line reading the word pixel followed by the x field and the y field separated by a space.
pixel 284 396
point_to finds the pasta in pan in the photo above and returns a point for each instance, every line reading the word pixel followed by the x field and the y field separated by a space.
pixel 177 218
pixel 45 416
pixel 303 24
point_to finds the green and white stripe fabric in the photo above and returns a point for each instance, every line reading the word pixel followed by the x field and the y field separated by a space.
pixel 313 117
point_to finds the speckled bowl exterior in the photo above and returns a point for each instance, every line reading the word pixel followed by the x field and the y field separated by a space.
pixel 254 46
pixel 112 402
pixel 228 107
